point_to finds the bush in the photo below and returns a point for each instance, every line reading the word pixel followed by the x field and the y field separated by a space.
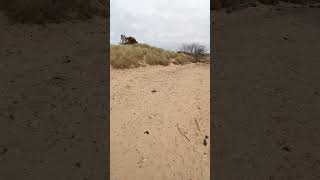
pixel 194 49
pixel 43 11
pixel 127 40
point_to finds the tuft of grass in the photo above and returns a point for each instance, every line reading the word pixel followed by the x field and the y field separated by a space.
pixel 132 56
pixel 44 11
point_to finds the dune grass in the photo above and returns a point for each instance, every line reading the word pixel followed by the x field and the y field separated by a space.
pixel 44 11
pixel 131 56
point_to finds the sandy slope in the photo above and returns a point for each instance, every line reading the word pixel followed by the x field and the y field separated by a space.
pixel 182 95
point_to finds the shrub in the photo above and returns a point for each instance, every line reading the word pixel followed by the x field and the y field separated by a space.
pixel 127 40
pixel 194 49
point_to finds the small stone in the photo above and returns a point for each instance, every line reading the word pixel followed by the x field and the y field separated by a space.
pixel 11 116
pixel 204 142
pixel 4 150
pixel 286 148
pixel 78 164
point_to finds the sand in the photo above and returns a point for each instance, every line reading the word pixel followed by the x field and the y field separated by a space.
pixel 266 98
pixel 148 105
pixel 53 109
pixel 53 100
pixel 266 87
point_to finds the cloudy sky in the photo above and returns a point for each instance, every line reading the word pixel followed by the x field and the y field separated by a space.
pixel 162 23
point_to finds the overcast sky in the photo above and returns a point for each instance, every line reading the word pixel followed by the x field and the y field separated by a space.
pixel 161 23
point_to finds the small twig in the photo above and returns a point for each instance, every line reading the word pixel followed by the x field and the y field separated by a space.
pixel 197 123
pixel 182 133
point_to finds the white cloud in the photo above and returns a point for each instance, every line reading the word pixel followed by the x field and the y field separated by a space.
pixel 161 23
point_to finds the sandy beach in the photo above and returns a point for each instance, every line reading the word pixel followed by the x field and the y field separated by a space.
pixel 266 98
pixel 266 88
pixel 53 100
pixel 149 107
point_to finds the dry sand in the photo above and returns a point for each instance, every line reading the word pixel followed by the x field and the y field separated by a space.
pixel 53 100
pixel 157 99
pixel 53 109
pixel 266 87
pixel 272 132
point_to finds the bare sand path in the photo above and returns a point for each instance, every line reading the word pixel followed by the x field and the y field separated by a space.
pixel 157 99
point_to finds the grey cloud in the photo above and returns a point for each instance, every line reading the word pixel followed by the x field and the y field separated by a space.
pixel 165 24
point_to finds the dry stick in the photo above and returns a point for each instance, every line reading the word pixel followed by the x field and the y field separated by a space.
pixel 197 123
pixel 182 133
